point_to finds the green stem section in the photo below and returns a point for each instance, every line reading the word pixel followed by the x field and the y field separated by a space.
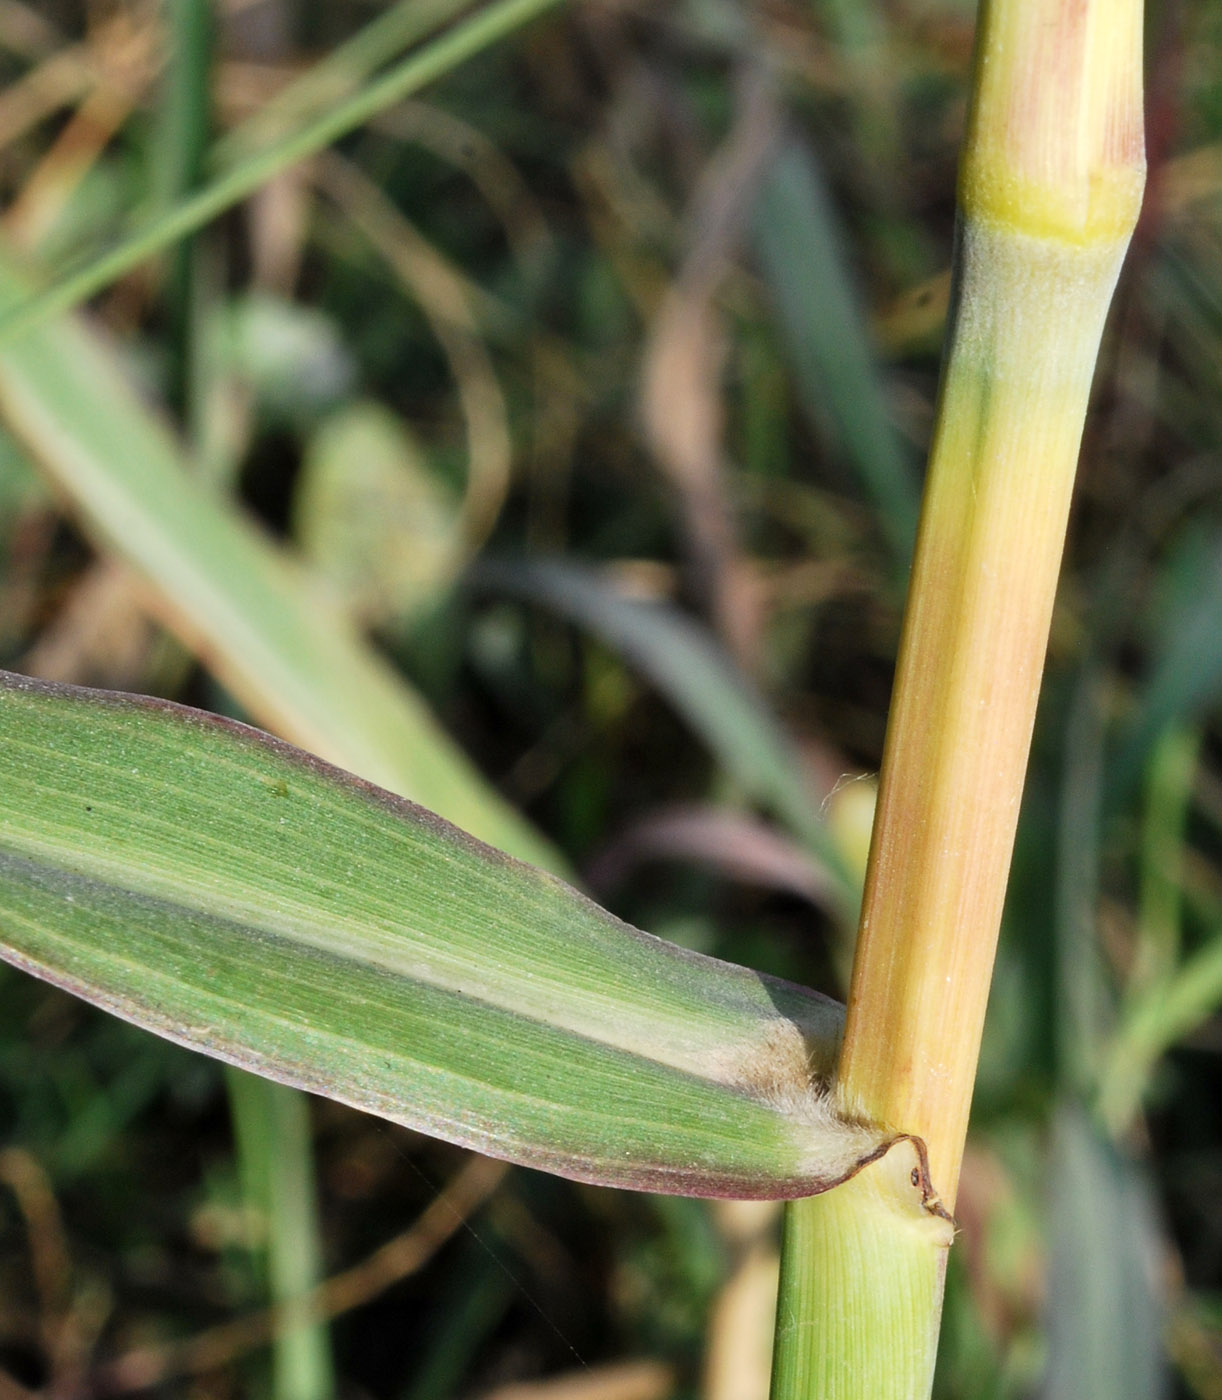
pixel 275 1157
pixel 436 59
pixel 860 1291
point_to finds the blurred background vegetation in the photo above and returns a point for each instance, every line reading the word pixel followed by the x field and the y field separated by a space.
pixel 593 384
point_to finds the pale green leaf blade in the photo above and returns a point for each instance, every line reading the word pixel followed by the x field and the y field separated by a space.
pixel 241 897
pixel 293 661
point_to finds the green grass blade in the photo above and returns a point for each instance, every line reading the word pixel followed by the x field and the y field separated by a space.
pixel 466 1314
pixel 1186 653
pixel 294 662
pixel 1161 1015
pixel 241 897
pixel 1103 1306
pixel 178 160
pixel 335 75
pixel 494 22
pixel 799 249
pixel 700 679
pixel 185 98
pixel 276 1167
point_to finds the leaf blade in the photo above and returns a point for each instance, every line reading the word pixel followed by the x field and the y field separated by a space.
pixel 239 896
pixel 293 660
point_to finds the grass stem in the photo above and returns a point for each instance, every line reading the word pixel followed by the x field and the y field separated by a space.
pixel 1050 187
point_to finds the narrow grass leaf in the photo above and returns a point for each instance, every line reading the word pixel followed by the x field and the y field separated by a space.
pixel 241 897
pixel 700 679
pixel 1186 660
pixel 800 252
pixel 432 61
pixel 336 75
pixel 1163 1014
pixel 1103 1308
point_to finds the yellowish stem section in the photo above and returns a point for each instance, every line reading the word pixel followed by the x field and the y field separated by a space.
pixel 1029 317
pixel 1049 191
pixel 1055 142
